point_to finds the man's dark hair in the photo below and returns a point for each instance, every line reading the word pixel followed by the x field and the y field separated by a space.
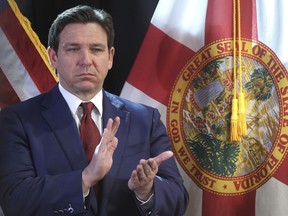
pixel 81 14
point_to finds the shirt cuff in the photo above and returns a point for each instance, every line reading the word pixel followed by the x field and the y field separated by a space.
pixel 86 194
pixel 143 202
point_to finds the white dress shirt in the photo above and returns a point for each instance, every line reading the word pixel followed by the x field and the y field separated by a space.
pixel 77 110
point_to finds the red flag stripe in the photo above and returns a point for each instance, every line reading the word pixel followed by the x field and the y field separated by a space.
pixel 219 27
pixel 7 93
pixel 228 205
pixel 249 20
pixel 216 28
pixel 219 22
pixel 280 175
pixel 162 58
pixel 26 50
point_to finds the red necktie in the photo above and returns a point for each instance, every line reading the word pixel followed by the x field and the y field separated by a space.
pixel 89 132
pixel 90 136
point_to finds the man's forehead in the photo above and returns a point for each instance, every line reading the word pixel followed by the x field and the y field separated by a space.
pixel 88 34
pixel 77 44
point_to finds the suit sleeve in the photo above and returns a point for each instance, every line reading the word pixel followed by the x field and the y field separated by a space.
pixel 170 195
pixel 23 189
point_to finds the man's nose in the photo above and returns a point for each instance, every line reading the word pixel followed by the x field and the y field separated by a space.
pixel 86 57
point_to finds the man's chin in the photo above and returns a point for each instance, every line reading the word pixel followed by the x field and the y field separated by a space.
pixel 89 89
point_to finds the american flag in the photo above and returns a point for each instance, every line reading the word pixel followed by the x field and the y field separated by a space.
pixel 24 67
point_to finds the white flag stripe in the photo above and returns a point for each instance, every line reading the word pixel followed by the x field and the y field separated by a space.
pixel 195 195
pixel 272 199
pixel 16 73
pixel 272 22
pixel 183 20
pixel 132 93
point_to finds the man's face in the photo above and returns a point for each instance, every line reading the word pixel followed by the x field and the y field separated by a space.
pixel 83 59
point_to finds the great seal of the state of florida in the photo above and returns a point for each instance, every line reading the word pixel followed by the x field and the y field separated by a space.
pixel 199 111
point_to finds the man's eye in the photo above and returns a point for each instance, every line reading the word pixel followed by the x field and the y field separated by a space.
pixel 96 50
pixel 72 49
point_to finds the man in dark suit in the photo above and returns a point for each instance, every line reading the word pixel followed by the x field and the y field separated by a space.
pixel 43 166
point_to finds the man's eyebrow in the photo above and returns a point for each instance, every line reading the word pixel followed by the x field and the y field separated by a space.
pixel 70 44
pixel 97 45
pixel 77 44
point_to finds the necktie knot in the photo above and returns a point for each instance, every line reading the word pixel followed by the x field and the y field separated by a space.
pixel 87 107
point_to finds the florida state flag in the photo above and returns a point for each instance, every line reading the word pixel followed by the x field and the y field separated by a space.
pixel 197 57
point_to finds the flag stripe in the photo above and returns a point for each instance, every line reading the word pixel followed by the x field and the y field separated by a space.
pixel 219 22
pixel 272 199
pixel 249 20
pixel 134 94
pixel 26 51
pixel 16 73
pixel 161 66
pixel 228 205
pixel 272 22
pixel 279 174
pixel 219 27
pixel 7 93
pixel 186 21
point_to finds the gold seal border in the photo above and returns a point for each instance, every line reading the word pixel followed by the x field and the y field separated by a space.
pixel 208 181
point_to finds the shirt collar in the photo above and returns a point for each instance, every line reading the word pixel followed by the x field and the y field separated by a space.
pixel 74 102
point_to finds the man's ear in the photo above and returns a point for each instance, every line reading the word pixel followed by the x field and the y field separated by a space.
pixel 111 56
pixel 52 57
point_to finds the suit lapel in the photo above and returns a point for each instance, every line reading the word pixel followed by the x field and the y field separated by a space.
pixel 112 107
pixel 62 123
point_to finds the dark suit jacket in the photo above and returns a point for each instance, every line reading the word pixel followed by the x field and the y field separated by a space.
pixel 42 159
